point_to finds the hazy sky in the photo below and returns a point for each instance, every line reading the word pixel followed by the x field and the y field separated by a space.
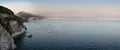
pixel 81 8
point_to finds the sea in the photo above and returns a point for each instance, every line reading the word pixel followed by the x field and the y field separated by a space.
pixel 70 35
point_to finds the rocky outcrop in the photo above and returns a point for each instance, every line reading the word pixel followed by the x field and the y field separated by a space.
pixel 10 26
pixel 6 41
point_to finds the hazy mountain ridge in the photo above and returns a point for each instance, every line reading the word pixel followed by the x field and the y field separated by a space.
pixel 29 16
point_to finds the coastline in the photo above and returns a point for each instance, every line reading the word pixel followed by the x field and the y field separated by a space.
pixel 19 33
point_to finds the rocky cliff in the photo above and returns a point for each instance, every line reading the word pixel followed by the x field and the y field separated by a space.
pixel 10 26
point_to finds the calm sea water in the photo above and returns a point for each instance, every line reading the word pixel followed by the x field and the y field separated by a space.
pixel 70 35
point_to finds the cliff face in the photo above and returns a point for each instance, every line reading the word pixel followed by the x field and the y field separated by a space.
pixel 6 41
pixel 10 26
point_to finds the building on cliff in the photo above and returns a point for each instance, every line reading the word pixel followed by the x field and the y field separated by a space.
pixel 10 26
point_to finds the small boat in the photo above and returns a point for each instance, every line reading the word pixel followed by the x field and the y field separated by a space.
pixel 29 36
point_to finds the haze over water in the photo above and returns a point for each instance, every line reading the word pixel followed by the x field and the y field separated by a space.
pixel 69 24
pixel 69 8
pixel 71 35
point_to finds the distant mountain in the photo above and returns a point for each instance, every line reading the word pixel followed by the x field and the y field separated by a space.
pixel 28 16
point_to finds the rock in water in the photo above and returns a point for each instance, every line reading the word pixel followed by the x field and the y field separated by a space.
pixel 10 26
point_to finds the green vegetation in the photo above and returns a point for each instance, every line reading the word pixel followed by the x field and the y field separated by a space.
pixel 5 10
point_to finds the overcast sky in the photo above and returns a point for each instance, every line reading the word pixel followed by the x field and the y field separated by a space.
pixel 82 8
